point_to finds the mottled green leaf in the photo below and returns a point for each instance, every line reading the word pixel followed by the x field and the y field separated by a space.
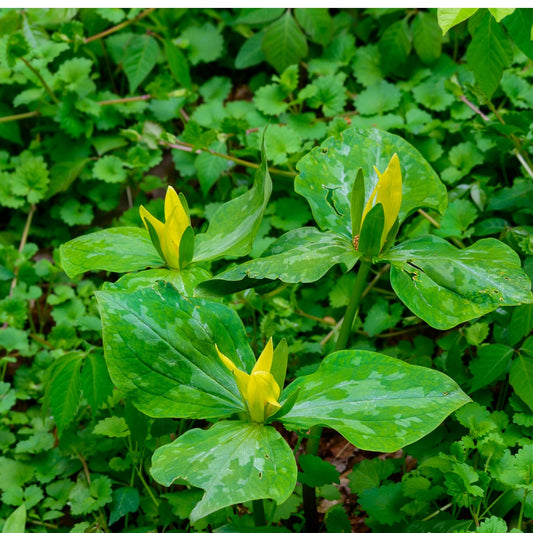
pixel 327 174
pixel 160 351
pixel 232 461
pixel 301 255
pixel 113 249
pixel 376 402
pixel 284 43
pixel 233 227
pixel 139 59
pixel 450 17
pixel 446 286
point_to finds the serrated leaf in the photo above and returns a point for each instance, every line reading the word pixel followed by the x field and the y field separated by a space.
pixel 63 390
pixel 330 94
pixel 489 52
pixel 75 213
pixel 378 98
pixel 232 461
pixel 110 169
pixel 369 474
pixel 427 37
pixel 270 99
pixel 113 249
pixel 205 43
pixel 284 43
pixel 178 64
pixel 114 427
pixel 316 471
pixel 327 174
pixel 367 65
pixel 95 382
pixel 384 504
pixel 182 375
pixel 376 402
pixel 210 167
pixel 450 17
pixel 457 285
pixel 433 94
pixel 30 178
pixel 316 22
pixel 139 59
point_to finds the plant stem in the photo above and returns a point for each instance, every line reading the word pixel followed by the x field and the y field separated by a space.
pixel 20 116
pixel 126 100
pixel 313 439
pixel 259 513
pixel 185 147
pixel 41 79
pixel 353 304
pixel 118 27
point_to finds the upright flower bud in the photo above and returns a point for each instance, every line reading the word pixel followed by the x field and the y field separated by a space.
pixel 167 236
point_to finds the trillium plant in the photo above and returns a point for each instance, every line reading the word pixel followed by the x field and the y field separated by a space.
pixel 176 351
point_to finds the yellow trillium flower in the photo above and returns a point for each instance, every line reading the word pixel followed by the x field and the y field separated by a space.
pixel 170 233
pixel 259 390
pixel 388 193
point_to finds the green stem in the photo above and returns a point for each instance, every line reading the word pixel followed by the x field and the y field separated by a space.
pixel 259 513
pixel 41 79
pixel 313 440
pixel 521 515
pixel 20 116
pixel 353 304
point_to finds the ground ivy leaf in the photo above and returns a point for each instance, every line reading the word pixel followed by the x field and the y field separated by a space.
pixel 432 94
pixel 181 374
pixel 376 402
pixel 378 98
pixel 232 461
pixel 369 474
pixel 204 43
pixel 446 286
pixel 383 504
pixel 330 94
pixel 270 99
pixel 110 169
pixel 367 65
pixel 113 427
pixel 30 178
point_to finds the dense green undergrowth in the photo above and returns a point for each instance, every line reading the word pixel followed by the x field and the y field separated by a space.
pixel 101 109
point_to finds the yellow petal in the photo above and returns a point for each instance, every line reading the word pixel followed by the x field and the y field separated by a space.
pixel 262 391
pixel 157 224
pixel 241 378
pixel 264 363
pixel 389 192
pixel 176 219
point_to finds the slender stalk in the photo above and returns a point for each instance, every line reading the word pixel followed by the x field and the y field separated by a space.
pixel 126 100
pixel 521 515
pixel 41 79
pixel 20 116
pixel 313 440
pixel 186 147
pixel 259 513
pixel 120 26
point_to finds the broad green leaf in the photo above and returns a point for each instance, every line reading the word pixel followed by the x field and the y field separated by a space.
pixel 63 390
pixel 489 52
pixel 113 249
pixel 210 166
pixel 520 26
pixel 521 378
pixel 490 363
pixel 64 173
pixel 259 16
pixel 284 43
pixel 327 174
pixel 395 46
pixel 499 13
pixel 16 521
pixel 233 227
pixel 139 59
pixel 185 280
pixel 450 17
pixel 250 53
pixel 446 286
pixel 160 351
pixel 301 255
pixel 384 504
pixel 376 402
pixel 426 37
pixel 178 64
pixel 232 461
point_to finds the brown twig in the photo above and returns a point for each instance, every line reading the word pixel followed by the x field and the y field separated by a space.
pixel 41 79
pixel 120 26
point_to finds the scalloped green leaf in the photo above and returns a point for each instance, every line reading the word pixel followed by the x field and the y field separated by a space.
pixel 446 286
pixel 301 255
pixel 114 249
pixel 327 174
pixel 376 402
pixel 160 351
pixel 233 461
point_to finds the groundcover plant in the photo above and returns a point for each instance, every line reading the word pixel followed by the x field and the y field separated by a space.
pixel 266 270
